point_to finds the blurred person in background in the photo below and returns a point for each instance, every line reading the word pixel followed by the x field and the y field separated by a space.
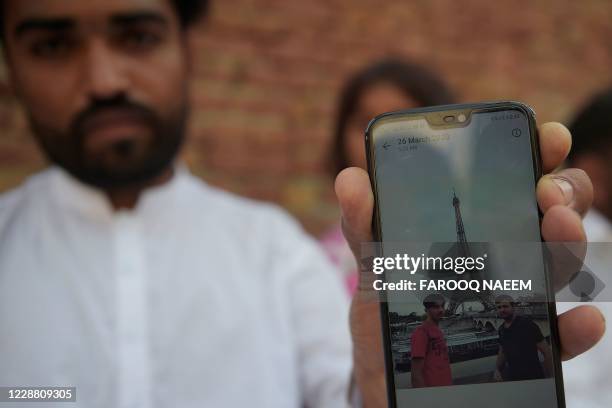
pixel 121 273
pixel 385 86
pixel 592 152
pixel 127 277
pixel 588 379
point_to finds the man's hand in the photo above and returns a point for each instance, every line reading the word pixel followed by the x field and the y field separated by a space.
pixel 563 197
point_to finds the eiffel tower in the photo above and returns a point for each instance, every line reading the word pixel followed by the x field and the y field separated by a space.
pixel 464 248
pixel 460 248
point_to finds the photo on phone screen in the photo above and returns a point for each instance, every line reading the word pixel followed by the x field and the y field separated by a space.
pixel 459 181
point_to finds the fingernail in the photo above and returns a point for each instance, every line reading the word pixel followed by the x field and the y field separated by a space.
pixel 566 189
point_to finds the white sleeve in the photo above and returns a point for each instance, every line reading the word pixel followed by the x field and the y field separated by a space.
pixel 319 311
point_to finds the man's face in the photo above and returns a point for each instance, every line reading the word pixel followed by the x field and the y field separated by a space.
pixel 504 310
pixel 436 312
pixel 104 84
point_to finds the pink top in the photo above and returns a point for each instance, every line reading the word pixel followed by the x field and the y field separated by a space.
pixel 340 254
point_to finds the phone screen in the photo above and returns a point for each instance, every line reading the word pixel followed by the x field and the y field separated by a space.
pixel 465 186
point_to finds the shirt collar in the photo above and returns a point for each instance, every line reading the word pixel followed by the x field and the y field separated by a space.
pixel 92 202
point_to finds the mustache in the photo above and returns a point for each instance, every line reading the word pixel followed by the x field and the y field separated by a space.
pixel 120 104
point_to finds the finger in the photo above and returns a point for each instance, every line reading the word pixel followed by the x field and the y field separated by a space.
pixel 563 231
pixel 568 187
pixel 580 329
pixel 561 224
pixel 356 204
pixel 555 142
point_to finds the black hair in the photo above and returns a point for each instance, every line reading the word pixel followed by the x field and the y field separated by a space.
pixel 505 298
pixel 433 299
pixel 592 127
pixel 188 12
pixel 415 81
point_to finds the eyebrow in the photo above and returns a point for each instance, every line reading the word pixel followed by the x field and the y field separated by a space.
pixel 44 24
pixel 67 23
pixel 138 17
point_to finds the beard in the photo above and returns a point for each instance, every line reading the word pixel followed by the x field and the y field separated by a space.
pixel 123 162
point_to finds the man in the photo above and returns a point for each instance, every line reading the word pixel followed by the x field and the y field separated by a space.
pixel 520 339
pixel 429 352
pixel 591 151
pixel 126 277
pixel 123 275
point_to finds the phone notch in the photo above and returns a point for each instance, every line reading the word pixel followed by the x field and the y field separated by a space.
pixel 448 119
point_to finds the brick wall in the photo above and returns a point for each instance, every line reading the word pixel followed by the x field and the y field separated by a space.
pixel 268 71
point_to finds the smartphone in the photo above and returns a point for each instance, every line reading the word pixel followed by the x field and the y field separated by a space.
pixel 461 179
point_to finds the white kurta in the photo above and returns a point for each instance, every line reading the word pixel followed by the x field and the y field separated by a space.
pixel 196 298
pixel 587 377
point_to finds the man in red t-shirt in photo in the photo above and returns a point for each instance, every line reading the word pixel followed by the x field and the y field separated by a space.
pixel 430 362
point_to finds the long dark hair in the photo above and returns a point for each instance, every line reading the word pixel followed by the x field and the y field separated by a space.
pixel 415 81
pixel 591 128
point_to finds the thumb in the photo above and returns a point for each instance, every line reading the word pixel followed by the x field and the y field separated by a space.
pixel 356 203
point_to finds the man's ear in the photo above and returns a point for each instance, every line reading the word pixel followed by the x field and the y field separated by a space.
pixel 595 166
